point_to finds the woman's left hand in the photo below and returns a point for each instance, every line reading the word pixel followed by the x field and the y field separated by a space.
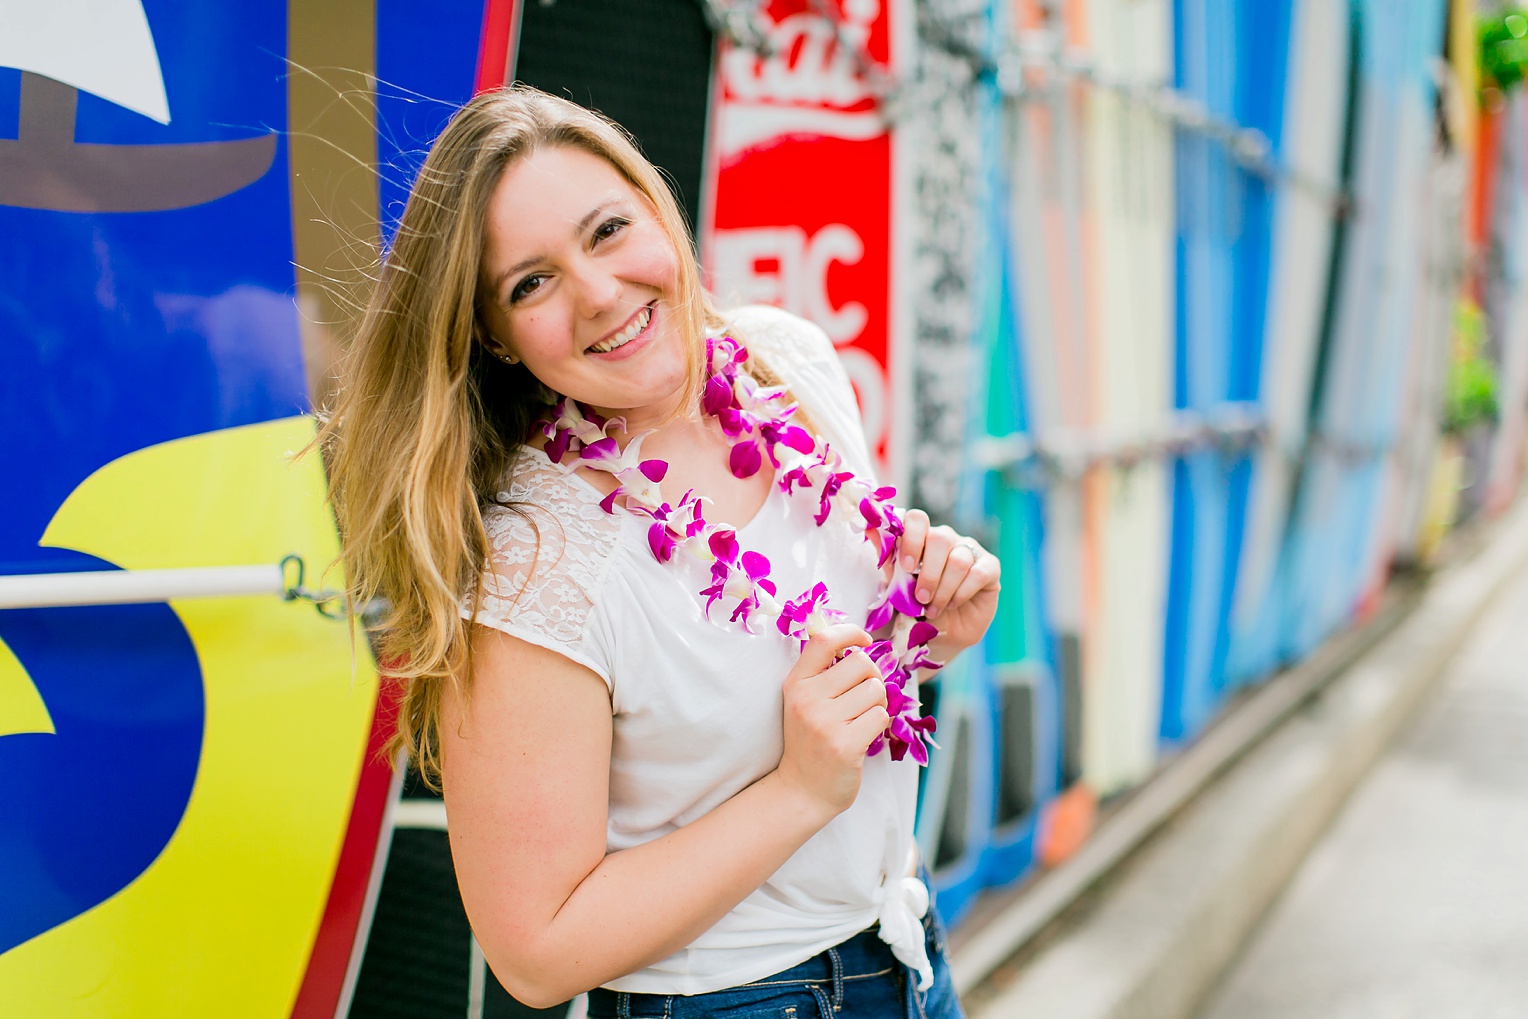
pixel 958 581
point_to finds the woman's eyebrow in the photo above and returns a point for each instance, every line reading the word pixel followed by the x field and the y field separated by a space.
pixel 578 229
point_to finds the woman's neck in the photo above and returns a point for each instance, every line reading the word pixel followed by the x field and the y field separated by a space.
pixel 660 418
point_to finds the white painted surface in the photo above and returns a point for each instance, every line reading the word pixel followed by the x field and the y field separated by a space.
pixel 103 47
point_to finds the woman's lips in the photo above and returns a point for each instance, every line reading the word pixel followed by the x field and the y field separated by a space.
pixel 637 343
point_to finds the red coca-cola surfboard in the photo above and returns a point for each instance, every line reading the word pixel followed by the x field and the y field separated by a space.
pixel 805 187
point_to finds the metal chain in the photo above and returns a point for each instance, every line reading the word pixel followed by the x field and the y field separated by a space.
pixel 1064 455
pixel 329 603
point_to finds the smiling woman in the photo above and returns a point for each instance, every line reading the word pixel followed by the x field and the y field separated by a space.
pixel 542 429
pixel 580 279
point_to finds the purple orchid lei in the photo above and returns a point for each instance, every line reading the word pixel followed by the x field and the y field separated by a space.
pixel 758 421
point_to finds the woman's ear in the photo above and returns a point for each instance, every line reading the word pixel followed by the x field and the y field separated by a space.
pixel 503 354
pixel 491 343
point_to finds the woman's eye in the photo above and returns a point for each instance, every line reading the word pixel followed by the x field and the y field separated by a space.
pixel 610 228
pixel 525 288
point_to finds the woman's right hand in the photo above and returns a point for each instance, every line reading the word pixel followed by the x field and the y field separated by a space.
pixel 834 709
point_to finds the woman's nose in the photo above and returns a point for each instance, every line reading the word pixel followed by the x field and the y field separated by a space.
pixel 599 289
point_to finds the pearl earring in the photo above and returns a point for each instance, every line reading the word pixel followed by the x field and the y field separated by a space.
pixel 509 359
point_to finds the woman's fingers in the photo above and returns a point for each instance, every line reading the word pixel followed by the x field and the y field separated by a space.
pixel 915 529
pixel 985 573
pixel 936 553
pixel 864 729
pixel 864 695
pixel 855 668
pixel 957 567
pixel 823 649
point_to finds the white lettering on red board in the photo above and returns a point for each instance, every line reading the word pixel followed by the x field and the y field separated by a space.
pixel 781 265
pixel 811 84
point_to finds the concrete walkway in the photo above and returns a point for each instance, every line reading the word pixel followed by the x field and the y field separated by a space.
pixel 1415 901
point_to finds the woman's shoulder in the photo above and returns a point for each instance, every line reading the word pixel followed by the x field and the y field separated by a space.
pixel 803 357
pixel 550 546
pixel 775 331
pixel 544 505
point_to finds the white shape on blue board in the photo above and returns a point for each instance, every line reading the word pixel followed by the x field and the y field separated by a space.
pixel 103 47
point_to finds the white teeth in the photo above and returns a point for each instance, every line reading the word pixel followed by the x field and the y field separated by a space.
pixel 626 335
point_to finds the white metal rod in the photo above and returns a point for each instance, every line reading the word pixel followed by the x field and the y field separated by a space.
pixel 127 587
pixel 420 814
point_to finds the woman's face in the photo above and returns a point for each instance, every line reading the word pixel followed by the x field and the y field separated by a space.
pixel 579 282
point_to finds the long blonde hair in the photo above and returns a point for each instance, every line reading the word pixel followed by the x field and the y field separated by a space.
pixel 427 421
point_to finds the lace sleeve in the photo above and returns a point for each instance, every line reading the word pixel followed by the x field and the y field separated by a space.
pixel 804 358
pixel 550 545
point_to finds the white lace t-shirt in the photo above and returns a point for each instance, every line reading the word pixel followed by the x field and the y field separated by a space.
pixel 697 702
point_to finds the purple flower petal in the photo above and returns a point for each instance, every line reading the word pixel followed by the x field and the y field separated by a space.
pixel 876 746
pixel 755 565
pixel 724 546
pixel 653 470
pixel 901 596
pixel 798 438
pixel 921 633
pixel 717 396
pixel 743 610
pixel 734 422
pixel 608 503
pixel 745 460
pixel 661 542
pixel 871 512
pixel 602 449
pixel 918 658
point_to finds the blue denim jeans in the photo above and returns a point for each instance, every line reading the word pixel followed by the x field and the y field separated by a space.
pixel 858 979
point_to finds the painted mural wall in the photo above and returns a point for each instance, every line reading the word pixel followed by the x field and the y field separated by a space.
pixel 1204 314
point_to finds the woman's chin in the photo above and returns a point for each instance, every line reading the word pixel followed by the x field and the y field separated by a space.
pixel 644 407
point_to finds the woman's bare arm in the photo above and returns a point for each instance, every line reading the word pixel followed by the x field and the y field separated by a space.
pixel 526 768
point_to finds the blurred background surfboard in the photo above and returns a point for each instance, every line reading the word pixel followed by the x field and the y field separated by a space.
pixel 1211 366
pixel 1129 178
pixel 1047 202
pixel 1309 145
pixel 1356 404
pixel 1005 505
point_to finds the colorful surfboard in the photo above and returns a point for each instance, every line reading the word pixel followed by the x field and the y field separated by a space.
pixel 1423 467
pixel 808 194
pixel 1310 146
pixel 180 775
pixel 1129 181
pixel 1335 528
pixel 1223 229
pixel 1006 508
pixel 1048 242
